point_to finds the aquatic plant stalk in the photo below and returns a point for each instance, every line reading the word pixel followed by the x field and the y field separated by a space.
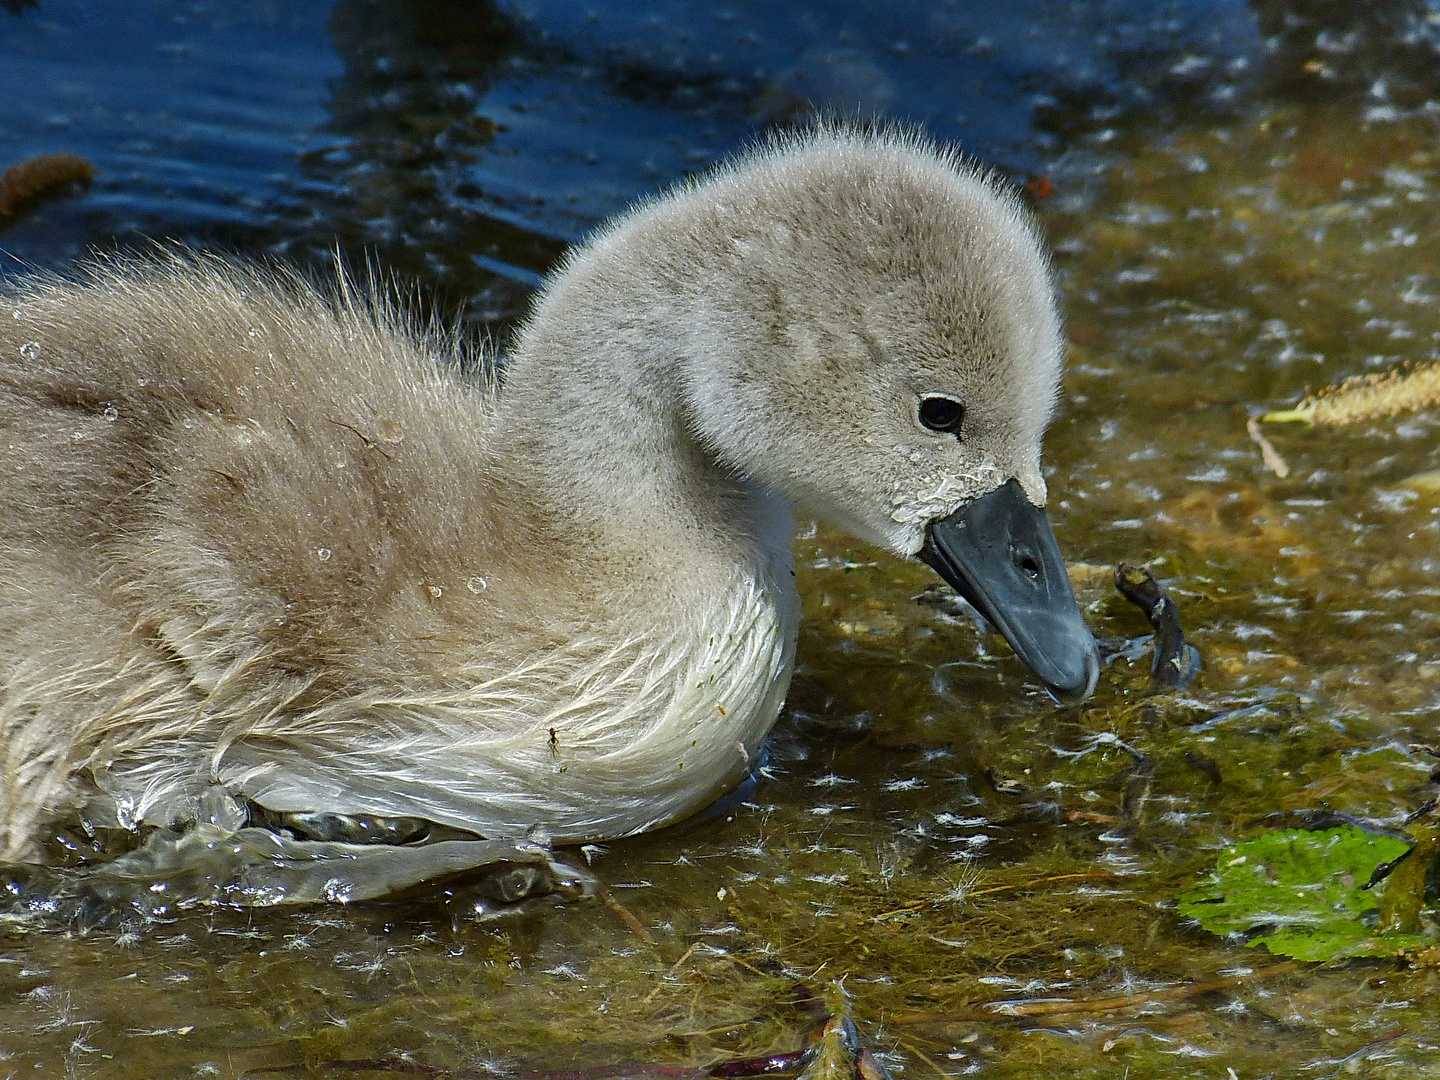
pixel 1367 397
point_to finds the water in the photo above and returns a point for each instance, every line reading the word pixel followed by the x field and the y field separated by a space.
pixel 1240 206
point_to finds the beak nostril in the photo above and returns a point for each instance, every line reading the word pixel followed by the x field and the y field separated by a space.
pixel 999 553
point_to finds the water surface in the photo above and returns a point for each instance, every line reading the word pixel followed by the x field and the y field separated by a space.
pixel 1240 204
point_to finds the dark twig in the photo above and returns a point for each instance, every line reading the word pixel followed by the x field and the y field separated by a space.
pixel 1176 663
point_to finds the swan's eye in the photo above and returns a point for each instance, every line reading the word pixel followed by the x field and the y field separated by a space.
pixel 941 414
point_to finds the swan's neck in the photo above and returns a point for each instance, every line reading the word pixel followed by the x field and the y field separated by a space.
pixel 593 407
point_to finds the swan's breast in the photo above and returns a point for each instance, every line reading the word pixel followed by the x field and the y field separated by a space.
pixel 598 740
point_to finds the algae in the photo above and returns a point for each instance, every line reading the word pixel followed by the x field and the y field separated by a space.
pixel 1306 894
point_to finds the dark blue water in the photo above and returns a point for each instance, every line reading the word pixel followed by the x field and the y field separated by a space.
pixel 466 143
pixel 195 114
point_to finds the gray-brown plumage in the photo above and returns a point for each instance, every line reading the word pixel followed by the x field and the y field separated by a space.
pixel 269 536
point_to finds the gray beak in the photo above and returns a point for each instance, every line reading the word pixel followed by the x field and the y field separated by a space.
pixel 999 553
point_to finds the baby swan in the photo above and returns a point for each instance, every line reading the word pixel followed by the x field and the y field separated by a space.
pixel 257 536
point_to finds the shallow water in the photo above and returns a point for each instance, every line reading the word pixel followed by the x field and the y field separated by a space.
pixel 1240 208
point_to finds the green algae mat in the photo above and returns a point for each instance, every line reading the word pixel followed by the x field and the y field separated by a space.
pixel 1307 894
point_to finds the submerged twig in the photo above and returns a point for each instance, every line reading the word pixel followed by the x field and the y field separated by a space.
pixel 1350 1061
pixel 1176 663
pixel 921 905
pixel 1367 397
pixel 636 926
pixel 1268 454
pixel 914 1050
pixel 674 968
pixel 993 1010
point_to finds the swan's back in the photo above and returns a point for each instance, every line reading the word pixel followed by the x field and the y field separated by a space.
pixel 244 421
pixel 223 491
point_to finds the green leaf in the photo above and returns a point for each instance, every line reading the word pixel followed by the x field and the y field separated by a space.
pixel 1302 894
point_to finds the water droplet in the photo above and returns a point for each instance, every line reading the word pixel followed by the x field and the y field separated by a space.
pixel 125 813
pixel 112 413
pixel 390 431
pixel 477 584
pixel 436 591
pixel 30 350
pixel 323 554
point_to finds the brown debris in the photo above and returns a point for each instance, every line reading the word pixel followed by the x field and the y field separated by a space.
pixel 635 926
pixel 39 178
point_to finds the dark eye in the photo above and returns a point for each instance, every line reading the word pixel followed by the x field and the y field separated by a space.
pixel 941 414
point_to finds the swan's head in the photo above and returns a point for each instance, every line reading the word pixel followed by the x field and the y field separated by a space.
pixel 887 354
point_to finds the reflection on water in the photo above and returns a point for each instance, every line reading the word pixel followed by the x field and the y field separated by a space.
pixel 1241 207
pixel 192 112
